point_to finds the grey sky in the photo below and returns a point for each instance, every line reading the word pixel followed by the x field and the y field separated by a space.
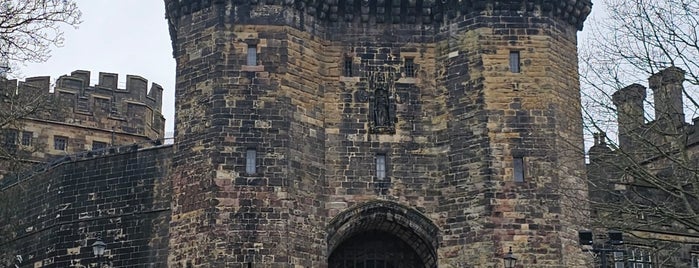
pixel 124 37
pixel 117 36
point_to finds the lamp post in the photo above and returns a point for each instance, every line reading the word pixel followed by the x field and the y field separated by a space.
pixel 615 239
pixel 98 249
pixel 509 259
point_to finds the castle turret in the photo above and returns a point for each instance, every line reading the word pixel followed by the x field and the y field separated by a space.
pixel 315 133
pixel 630 116
pixel 667 93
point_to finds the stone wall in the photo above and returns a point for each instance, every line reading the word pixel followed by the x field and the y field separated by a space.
pixel 82 113
pixel 54 217
pixel 448 135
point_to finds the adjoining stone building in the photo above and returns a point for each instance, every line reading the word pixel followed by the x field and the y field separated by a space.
pixel 647 186
pixel 42 124
pixel 339 133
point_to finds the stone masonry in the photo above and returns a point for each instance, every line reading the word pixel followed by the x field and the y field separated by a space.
pixel 335 133
pixel 324 92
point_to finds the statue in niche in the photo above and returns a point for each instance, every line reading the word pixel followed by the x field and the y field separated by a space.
pixel 381 108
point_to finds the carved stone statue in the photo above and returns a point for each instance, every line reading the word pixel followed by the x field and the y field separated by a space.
pixel 381 108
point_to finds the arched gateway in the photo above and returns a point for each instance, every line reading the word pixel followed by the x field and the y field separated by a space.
pixel 382 234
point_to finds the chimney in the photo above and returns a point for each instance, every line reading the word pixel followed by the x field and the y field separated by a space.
pixel 667 92
pixel 629 108
pixel 599 151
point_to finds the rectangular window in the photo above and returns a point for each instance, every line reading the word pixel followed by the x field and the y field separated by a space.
pixel 380 166
pixel 514 61
pixel 60 143
pixel 252 55
pixel 98 145
pixel 619 260
pixel 250 161
pixel 641 259
pixel 10 137
pixel 695 260
pixel 27 138
pixel 347 67
pixel 518 169
pixel 409 67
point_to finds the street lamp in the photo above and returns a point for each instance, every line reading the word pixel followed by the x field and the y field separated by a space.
pixel 509 259
pixel 98 249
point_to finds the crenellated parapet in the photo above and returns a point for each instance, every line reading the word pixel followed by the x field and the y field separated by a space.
pixel 425 12
pixel 403 11
pixel 135 109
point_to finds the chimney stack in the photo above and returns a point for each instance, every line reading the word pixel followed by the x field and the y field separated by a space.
pixel 667 91
pixel 629 108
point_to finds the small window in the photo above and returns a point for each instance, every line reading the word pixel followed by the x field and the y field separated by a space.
pixel 380 166
pixel 10 137
pixel 518 167
pixel 619 261
pixel 640 259
pixel 27 138
pixel 60 143
pixel 347 67
pixel 695 260
pixel 98 145
pixel 514 61
pixel 252 55
pixel 409 67
pixel 250 161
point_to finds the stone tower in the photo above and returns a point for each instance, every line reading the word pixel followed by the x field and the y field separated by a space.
pixel 391 133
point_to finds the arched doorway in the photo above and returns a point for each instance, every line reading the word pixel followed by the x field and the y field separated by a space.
pixel 375 249
pixel 382 234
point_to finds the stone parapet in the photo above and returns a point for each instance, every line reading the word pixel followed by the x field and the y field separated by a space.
pixel 135 109
pixel 573 12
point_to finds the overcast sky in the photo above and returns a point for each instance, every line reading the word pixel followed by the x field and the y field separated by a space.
pixel 124 37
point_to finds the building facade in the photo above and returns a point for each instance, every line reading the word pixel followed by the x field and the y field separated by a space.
pixel 43 124
pixel 339 133
pixel 645 185
pixel 448 131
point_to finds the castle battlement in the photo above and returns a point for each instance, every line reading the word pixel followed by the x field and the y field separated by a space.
pixel 402 11
pixel 135 109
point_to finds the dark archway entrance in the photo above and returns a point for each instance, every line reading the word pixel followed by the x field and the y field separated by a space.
pixel 381 234
pixel 374 249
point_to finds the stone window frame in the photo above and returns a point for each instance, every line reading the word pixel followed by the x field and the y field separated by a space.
pixel 101 145
pixel 250 161
pixel 10 136
pixel 695 260
pixel 60 143
pixel 515 61
pixel 27 138
pixel 347 66
pixel 381 166
pixel 251 55
pixel 409 67
pixel 518 169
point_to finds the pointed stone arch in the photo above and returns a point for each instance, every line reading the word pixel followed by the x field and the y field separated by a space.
pixel 402 222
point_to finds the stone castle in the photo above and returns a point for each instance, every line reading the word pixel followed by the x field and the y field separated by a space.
pixel 335 133
pixel 646 183
pixel 75 116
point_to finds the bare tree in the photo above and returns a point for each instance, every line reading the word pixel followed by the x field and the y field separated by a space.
pixel 28 28
pixel 646 181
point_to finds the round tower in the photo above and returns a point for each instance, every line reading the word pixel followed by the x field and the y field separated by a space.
pixel 411 133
